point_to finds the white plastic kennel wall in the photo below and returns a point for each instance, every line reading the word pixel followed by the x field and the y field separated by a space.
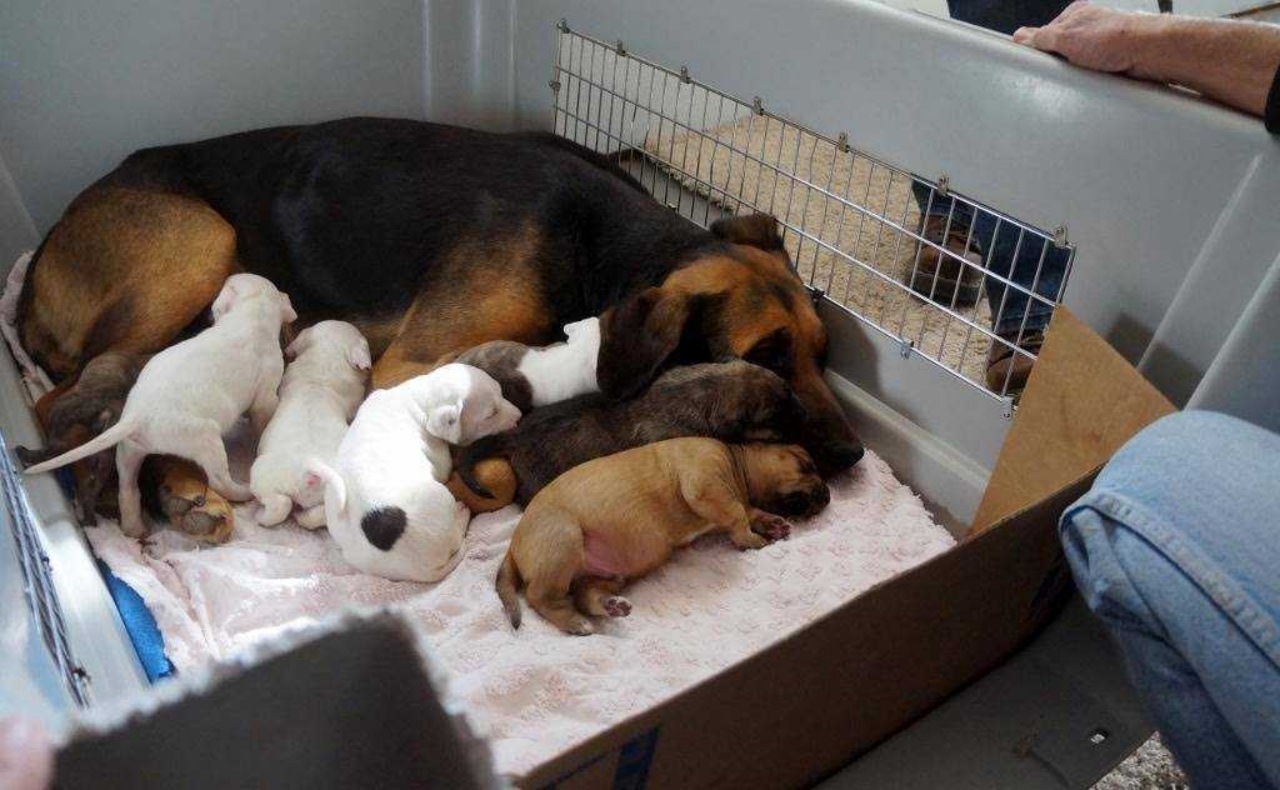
pixel 1166 199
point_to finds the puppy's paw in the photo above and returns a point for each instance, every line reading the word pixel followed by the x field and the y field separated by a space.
pixel 579 626
pixel 771 527
pixel 616 606
pixel 136 529
pixel 749 540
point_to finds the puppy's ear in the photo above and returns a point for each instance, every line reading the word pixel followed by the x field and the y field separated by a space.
pixel 287 313
pixel 104 420
pixel 295 348
pixel 445 421
pixel 637 336
pixel 226 299
pixel 358 355
pixel 577 327
pixel 756 230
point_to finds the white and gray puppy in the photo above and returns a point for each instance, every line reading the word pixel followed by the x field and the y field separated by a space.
pixel 532 377
pixel 385 499
pixel 192 393
pixel 322 387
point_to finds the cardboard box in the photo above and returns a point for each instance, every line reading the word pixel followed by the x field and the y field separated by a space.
pixel 786 716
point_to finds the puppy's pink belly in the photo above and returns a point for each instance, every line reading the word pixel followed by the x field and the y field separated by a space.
pixel 604 560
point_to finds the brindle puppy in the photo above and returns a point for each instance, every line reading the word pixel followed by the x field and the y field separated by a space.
pixel 83 411
pixel 731 401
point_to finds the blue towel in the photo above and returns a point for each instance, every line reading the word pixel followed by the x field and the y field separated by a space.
pixel 141 625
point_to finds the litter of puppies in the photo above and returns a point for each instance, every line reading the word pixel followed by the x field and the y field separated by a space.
pixel 373 467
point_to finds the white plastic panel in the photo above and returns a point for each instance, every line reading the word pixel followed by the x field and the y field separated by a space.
pixel 1148 181
pixel 84 84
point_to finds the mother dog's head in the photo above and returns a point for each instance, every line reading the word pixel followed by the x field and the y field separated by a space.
pixel 739 298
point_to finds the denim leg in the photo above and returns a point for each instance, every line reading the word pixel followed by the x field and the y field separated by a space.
pixel 939 206
pixel 1005 256
pixel 1177 549
pixel 1005 16
pixel 1017 257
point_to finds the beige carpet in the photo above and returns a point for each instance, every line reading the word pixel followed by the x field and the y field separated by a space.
pixel 744 165
pixel 1151 767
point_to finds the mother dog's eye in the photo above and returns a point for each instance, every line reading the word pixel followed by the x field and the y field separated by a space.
pixel 773 351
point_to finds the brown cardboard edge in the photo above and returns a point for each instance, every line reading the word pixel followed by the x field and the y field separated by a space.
pixel 1081 403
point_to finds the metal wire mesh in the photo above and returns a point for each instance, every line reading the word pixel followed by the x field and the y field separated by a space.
pixel 38 581
pixel 960 284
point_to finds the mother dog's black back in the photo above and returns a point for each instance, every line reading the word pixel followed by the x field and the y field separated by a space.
pixel 416 191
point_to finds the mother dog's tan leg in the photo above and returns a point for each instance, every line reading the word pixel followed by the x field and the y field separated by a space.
pixel 123 270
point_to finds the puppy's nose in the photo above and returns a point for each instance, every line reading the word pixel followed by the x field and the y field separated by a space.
pixel 838 456
pixel 822 498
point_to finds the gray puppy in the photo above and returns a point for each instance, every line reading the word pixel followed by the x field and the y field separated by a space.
pixel 730 401
pixel 535 377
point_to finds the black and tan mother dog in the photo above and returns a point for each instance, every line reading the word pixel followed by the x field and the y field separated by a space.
pixel 431 239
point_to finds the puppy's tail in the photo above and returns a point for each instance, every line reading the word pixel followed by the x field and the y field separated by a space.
pixel 508 584
pixel 335 488
pixel 487 447
pixel 103 441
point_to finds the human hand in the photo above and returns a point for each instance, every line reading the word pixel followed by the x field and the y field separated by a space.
pixel 26 755
pixel 1094 37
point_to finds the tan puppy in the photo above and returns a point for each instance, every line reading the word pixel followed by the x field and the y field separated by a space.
pixel 619 517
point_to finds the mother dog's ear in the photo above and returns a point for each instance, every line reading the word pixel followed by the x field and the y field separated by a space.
pixel 755 230
pixel 637 336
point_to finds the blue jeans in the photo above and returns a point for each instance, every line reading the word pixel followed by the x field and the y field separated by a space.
pixel 1004 255
pixel 1177 549
pixel 998 244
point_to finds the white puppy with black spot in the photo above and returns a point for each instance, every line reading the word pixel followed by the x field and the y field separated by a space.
pixel 192 393
pixel 385 499
pixel 321 390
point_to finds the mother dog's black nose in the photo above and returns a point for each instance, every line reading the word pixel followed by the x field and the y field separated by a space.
pixel 838 456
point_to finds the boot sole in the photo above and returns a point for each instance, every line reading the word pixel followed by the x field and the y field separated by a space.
pixel 966 293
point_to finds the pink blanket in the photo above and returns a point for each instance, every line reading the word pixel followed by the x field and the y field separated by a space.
pixel 536 691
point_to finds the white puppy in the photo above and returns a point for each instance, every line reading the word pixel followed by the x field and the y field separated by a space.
pixel 532 377
pixel 319 394
pixel 385 499
pixel 192 393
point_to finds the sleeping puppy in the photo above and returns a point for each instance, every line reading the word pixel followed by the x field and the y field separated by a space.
pixel 534 377
pixel 319 394
pixel 385 500
pixel 731 401
pixel 175 491
pixel 82 412
pixel 193 392
pixel 620 517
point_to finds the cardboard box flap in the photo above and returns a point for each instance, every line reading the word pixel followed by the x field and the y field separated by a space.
pixel 1082 402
